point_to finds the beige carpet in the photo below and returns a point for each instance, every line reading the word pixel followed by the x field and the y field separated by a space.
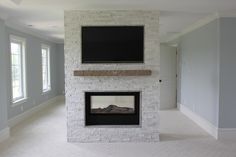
pixel 44 135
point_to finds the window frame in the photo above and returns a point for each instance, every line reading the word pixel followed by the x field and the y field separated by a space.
pixel 22 42
pixel 48 61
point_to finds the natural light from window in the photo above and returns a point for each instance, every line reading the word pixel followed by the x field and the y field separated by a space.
pixel 46 68
pixel 18 68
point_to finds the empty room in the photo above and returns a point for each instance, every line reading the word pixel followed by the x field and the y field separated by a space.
pixel 106 78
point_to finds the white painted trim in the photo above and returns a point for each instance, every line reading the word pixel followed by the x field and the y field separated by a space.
pixel 178 105
pixel 4 134
pixel 203 123
pixel 227 133
pixel 196 25
pixel 227 14
pixel 23 42
pixel 32 32
pixel 15 120
pixel 48 51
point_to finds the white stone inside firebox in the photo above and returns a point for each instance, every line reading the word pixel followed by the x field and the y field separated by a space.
pixel 105 101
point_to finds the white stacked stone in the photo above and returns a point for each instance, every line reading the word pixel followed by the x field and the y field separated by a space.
pixel 147 85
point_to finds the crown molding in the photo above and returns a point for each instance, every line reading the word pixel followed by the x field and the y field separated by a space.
pixel 227 14
pixel 200 23
pixel 32 32
pixel 194 26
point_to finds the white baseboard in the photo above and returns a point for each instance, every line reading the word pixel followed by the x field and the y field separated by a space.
pixel 227 133
pixel 178 105
pixel 15 120
pixel 203 123
pixel 4 134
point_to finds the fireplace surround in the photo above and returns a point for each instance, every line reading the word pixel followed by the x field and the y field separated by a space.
pixel 112 108
pixel 112 77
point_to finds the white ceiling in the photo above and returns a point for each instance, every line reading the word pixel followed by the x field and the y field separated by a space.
pixel 46 17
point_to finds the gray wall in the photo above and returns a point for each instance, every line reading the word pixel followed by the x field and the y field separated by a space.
pixel 3 101
pixel 33 72
pixel 61 69
pixel 199 73
pixel 227 104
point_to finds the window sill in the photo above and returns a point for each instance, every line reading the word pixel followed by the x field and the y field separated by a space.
pixel 19 102
pixel 46 92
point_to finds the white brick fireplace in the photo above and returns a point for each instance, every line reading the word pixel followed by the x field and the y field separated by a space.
pixel 76 86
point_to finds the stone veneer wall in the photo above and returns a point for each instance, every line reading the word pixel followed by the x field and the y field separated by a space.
pixel 76 86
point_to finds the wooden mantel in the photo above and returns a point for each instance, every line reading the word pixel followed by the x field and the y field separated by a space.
pixel 112 72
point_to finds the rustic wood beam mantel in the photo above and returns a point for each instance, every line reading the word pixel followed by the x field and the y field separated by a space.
pixel 112 72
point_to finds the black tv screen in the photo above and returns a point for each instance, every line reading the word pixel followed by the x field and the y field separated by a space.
pixel 112 44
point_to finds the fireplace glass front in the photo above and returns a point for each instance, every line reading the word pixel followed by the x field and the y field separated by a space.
pixel 112 108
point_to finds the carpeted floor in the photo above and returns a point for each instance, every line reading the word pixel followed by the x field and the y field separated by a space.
pixel 44 135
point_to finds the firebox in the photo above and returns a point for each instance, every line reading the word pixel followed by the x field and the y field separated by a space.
pixel 112 108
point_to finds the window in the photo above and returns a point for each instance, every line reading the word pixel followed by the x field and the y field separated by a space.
pixel 17 48
pixel 46 68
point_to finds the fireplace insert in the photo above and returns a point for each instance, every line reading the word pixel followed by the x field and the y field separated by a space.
pixel 112 108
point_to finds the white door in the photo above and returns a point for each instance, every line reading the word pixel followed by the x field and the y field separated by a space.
pixel 167 77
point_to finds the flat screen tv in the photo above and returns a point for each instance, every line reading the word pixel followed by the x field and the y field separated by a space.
pixel 112 44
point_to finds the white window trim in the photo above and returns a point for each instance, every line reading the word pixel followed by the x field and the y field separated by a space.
pixel 23 99
pixel 44 46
